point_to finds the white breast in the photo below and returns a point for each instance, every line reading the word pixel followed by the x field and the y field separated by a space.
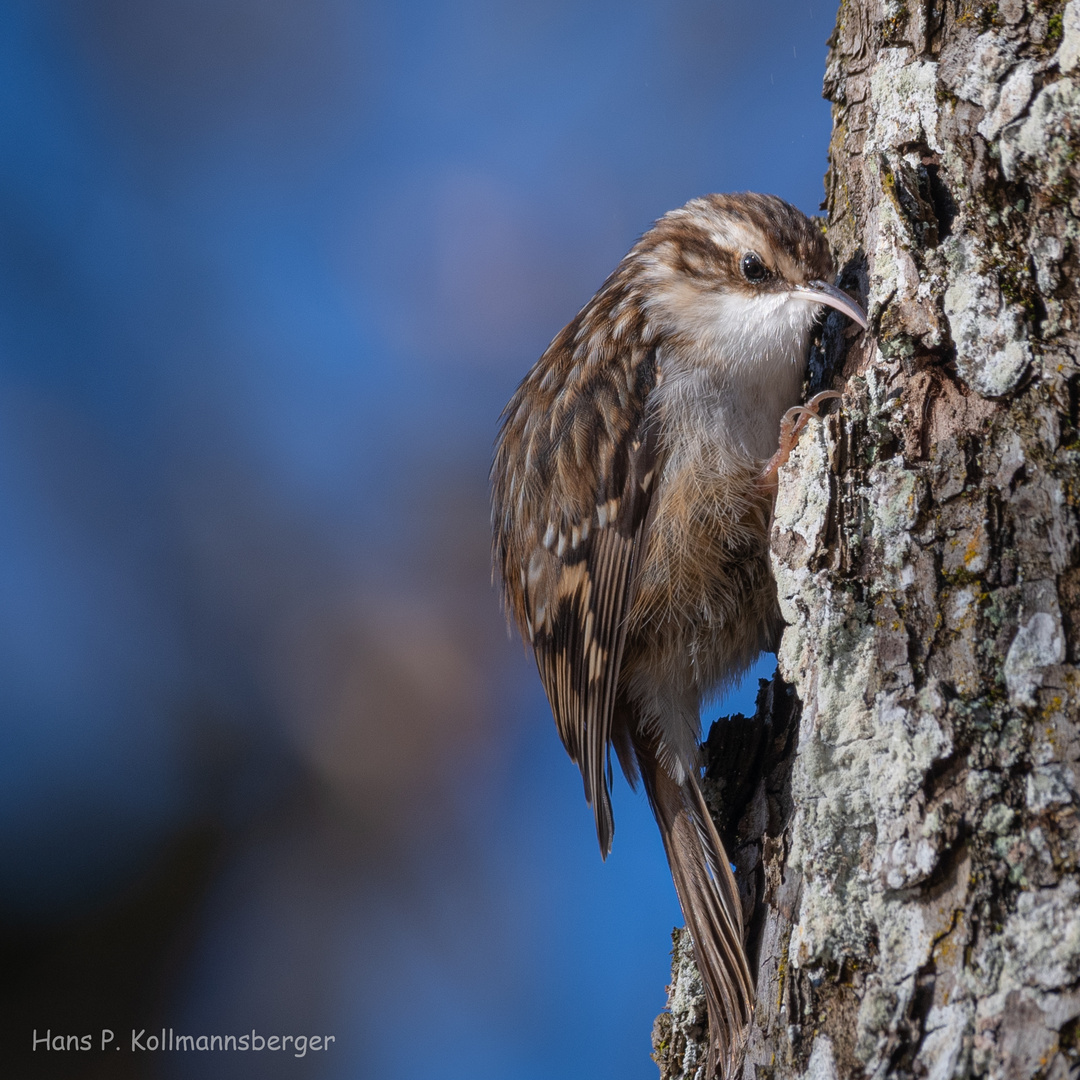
pixel 737 368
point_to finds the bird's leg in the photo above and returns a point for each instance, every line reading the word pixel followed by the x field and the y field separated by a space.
pixel 791 425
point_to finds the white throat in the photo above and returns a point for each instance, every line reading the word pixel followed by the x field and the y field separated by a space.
pixel 739 364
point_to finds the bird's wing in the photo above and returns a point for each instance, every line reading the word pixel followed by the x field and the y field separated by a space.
pixel 577 478
pixel 579 643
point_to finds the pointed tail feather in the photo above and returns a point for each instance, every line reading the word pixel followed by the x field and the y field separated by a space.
pixel 710 904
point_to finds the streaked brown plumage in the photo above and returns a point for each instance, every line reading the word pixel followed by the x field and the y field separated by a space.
pixel 631 511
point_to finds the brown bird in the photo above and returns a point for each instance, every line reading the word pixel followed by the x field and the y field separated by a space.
pixel 631 498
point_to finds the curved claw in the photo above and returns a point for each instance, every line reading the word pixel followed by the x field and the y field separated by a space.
pixel 791 425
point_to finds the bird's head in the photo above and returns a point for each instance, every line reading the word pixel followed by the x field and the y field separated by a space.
pixel 746 274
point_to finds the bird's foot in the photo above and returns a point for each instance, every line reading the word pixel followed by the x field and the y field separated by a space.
pixel 791 425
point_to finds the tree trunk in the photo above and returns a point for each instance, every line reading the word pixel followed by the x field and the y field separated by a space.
pixel 908 839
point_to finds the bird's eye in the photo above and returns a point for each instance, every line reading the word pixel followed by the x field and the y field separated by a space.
pixel 753 269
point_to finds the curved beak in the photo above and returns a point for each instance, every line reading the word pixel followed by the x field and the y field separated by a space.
pixel 821 292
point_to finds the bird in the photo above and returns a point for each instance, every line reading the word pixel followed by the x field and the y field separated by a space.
pixel 633 482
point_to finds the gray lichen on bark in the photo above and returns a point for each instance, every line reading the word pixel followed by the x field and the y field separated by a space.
pixel 908 845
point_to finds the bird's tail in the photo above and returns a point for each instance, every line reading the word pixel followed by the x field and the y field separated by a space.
pixel 710 905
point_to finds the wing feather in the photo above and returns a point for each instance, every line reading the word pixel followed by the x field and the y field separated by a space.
pixel 570 508
pixel 579 647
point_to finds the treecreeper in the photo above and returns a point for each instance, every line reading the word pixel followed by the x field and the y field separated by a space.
pixel 632 490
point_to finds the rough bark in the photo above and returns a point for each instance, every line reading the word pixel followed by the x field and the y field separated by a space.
pixel 908 840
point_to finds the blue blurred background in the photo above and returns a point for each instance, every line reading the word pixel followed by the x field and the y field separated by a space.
pixel 270 269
